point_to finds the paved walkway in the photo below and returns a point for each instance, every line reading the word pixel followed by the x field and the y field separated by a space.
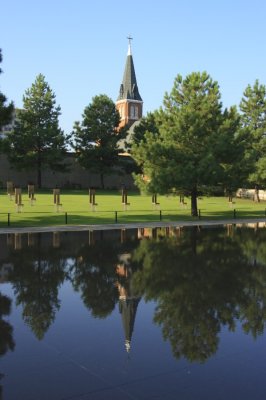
pixel 135 225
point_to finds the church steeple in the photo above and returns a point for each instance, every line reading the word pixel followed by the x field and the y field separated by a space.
pixel 129 102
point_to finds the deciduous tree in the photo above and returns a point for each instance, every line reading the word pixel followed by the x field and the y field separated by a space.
pixel 96 137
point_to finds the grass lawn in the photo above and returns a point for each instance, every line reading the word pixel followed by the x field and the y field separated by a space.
pixel 77 210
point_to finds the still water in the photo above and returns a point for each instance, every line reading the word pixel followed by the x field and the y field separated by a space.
pixel 134 314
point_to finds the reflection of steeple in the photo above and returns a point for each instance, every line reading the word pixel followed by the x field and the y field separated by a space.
pixel 128 308
pixel 128 301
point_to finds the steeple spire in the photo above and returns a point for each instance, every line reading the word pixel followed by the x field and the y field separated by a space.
pixel 129 88
pixel 129 102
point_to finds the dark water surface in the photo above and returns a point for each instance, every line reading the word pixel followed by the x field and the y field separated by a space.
pixel 134 314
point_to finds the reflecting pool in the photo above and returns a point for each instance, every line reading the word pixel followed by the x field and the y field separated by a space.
pixel 169 313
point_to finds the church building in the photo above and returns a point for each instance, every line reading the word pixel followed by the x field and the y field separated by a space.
pixel 129 102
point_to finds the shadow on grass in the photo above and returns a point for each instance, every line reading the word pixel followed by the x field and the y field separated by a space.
pixel 231 214
pixel 111 217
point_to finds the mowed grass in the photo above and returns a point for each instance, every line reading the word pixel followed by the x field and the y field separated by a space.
pixel 77 210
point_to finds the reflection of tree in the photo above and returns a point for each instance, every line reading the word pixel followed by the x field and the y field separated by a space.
pixel 39 268
pixel 253 246
pixel 36 277
pixel 252 242
pixel 93 275
pixel 201 282
pixel 6 330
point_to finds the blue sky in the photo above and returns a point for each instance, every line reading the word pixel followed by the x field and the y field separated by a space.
pixel 80 47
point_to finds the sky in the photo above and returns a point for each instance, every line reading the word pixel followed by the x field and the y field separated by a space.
pixel 80 46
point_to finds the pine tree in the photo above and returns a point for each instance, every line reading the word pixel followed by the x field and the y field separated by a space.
pixel 196 144
pixel 37 142
pixel 253 123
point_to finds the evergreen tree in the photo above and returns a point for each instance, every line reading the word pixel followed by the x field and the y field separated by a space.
pixel 37 142
pixel 96 137
pixel 196 144
pixel 253 122
pixel 146 124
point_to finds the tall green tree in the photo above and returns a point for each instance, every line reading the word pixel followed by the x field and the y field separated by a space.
pixel 37 142
pixel 196 143
pixel 253 123
pixel 96 137
pixel 6 110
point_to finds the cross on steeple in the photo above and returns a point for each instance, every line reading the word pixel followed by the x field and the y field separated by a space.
pixel 129 53
pixel 129 39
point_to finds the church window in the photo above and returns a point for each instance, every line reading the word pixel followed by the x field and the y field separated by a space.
pixel 133 112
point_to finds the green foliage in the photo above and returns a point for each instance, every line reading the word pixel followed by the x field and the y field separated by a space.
pixel 37 141
pixel 146 124
pixel 96 137
pixel 253 123
pixel 196 144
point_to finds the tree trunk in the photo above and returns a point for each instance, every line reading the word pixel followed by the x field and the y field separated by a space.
pixel 102 181
pixel 256 194
pixel 194 206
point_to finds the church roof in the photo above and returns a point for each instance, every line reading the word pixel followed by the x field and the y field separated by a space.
pixel 129 88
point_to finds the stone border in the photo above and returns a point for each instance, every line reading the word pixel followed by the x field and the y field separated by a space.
pixel 135 225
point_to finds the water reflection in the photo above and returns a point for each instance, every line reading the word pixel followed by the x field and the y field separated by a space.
pixel 201 280
pixel 6 330
pixel 128 298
